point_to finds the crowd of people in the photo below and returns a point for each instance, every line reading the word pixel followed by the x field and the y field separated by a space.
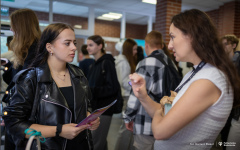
pixel 48 94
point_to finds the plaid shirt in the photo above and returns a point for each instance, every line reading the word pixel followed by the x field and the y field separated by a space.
pixel 151 69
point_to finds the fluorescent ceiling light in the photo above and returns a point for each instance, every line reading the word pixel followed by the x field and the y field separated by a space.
pixel 150 1
pixel 112 16
pixel 78 26
pixel 104 18
pixel 115 14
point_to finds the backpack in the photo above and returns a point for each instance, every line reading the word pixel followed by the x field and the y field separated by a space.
pixel 117 107
pixel 171 78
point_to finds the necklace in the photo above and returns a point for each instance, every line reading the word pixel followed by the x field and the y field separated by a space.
pixel 64 75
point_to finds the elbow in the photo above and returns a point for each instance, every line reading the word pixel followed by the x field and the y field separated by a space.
pixel 160 136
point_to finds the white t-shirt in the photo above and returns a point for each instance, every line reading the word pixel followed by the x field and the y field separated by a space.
pixel 201 133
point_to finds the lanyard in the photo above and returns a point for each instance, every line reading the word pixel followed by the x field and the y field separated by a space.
pixel 199 67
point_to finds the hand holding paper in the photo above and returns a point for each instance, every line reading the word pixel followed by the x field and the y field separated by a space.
pixel 95 114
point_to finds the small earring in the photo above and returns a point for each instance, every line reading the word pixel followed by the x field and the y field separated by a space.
pixel 51 53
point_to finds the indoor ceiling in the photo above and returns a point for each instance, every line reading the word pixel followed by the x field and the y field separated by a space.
pixel 136 11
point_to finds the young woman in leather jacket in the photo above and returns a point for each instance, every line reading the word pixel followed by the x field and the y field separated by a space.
pixel 63 95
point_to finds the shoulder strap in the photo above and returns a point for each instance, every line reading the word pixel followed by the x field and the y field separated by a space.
pixel 160 58
pixel 103 70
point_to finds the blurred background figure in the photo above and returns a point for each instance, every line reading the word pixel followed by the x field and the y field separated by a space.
pixel 231 130
pixel 9 54
pixel 26 34
pixel 102 78
pixel 26 30
pixel 140 54
pixel 125 65
pixel 87 60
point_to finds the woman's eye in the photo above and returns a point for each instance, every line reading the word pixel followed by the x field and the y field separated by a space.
pixel 67 44
pixel 75 44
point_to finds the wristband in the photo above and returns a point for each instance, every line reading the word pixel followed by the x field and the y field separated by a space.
pixel 59 129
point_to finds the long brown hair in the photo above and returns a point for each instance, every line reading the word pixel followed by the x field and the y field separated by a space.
pixel 24 23
pixel 128 52
pixel 207 46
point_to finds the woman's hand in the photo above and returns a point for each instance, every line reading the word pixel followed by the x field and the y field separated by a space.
pixel 70 131
pixel 138 86
pixel 94 124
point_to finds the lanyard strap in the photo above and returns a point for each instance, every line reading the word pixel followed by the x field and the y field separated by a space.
pixel 199 67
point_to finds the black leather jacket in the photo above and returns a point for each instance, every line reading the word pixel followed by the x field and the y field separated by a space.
pixel 52 108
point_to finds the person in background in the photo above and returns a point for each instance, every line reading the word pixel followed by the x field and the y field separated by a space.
pixel 125 65
pixel 136 119
pixel 87 60
pixel 9 54
pixel 104 85
pixel 204 97
pixel 26 34
pixel 140 55
pixel 63 96
pixel 231 131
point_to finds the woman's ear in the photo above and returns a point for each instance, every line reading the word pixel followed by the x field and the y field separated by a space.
pixel 234 45
pixel 100 46
pixel 49 47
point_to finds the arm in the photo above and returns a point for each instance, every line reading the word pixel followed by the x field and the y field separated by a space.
pixel 200 96
pixel 139 89
pixel 133 102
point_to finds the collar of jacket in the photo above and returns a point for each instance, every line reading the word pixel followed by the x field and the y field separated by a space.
pixel 53 95
pixel 44 74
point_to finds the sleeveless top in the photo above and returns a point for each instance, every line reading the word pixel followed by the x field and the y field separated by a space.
pixel 201 133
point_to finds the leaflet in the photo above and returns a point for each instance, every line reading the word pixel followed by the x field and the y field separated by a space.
pixel 95 114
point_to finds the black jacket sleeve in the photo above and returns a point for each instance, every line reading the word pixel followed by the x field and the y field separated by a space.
pixel 18 112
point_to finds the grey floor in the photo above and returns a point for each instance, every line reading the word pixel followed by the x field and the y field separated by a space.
pixel 113 131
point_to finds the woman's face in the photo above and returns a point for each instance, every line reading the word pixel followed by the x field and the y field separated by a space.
pixel 134 50
pixel 180 44
pixel 64 46
pixel 93 48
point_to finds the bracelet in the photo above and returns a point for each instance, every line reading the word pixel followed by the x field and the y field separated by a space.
pixel 59 129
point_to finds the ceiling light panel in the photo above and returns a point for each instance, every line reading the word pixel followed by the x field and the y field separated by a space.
pixel 150 1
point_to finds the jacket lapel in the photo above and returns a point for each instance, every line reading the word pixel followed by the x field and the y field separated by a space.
pixel 79 95
pixel 53 93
